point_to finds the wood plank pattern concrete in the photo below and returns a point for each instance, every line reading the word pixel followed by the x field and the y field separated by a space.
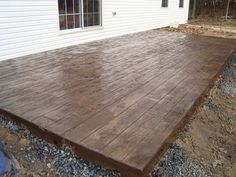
pixel 115 101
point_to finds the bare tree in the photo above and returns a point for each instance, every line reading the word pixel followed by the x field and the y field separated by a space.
pixel 234 9
pixel 194 8
pixel 212 7
pixel 227 9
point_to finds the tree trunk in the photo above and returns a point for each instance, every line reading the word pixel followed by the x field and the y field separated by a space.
pixel 227 9
pixel 234 11
pixel 194 9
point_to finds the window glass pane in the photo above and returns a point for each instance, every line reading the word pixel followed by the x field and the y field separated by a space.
pixel 181 3
pixel 62 7
pixel 62 22
pixel 90 5
pixel 90 19
pixel 96 6
pixel 77 21
pixel 96 19
pixel 77 6
pixel 70 21
pixel 85 20
pixel 85 4
pixel 91 12
pixel 164 3
pixel 69 6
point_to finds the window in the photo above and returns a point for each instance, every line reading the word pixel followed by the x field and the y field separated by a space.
pixel 79 13
pixel 181 3
pixel 164 3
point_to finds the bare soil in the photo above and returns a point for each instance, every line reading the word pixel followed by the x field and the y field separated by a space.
pixel 19 146
pixel 213 22
pixel 210 27
pixel 210 137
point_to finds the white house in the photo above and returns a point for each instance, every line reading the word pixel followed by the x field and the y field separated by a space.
pixel 32 26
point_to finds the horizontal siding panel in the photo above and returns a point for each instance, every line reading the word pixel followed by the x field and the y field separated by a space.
pixel 26 34
pixel 27 8
pixel 26 24
pixel 28 19
pixel 25 14
pixel 28 29
pixel 24 3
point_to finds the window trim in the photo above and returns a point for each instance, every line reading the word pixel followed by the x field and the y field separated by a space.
pixel 82 28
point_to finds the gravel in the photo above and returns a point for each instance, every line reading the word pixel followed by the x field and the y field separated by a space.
pixel 227 83
pixel 176 164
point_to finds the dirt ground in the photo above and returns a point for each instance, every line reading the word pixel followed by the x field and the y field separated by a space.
pixel 29 164
pixel 213 22
pixel 210 137
pixel 209 27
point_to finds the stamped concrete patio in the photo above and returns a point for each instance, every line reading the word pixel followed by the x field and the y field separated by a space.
pixel 116 101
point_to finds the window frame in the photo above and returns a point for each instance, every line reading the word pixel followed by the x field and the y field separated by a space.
pixel 181 5
pixel 165 5
pixel 82 27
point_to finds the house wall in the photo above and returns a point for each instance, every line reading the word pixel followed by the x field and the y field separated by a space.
pixel 31 26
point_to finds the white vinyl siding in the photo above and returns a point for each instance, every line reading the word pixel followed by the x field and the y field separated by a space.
pixel 31 26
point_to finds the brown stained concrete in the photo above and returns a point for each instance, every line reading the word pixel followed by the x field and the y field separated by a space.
pixel 115 101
